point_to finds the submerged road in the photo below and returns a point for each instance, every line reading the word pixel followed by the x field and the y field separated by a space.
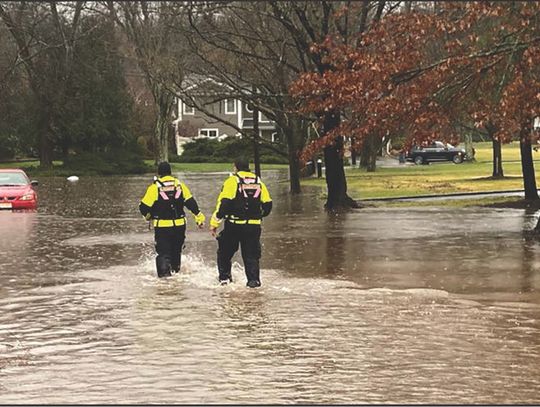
pixel 379 305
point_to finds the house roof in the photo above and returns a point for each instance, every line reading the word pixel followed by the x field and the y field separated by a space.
pixel 206 85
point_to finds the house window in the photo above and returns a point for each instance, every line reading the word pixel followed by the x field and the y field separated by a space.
pixel 188 109
pixel 210 133
pixel 230 106
pixel 263 119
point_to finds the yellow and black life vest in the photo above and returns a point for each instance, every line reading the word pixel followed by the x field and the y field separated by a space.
pixel 170 201
pixel 247 202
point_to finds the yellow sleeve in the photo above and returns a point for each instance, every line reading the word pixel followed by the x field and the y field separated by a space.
pixel 185 191
pixel 265 195
pixel 150 196
pixel 228 191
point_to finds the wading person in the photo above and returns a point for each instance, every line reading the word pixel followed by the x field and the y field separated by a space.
pixel 243 202
pixel 164 204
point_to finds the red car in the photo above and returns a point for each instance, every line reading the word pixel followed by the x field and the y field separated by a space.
pixel 16 190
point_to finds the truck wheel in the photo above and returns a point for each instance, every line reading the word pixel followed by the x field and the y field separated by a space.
pixel 457 159
pixel 419 160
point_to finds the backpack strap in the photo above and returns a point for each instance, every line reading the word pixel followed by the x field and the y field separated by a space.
pixel 157 181
pixel 177 187
pixel 250 181
pixel 240 182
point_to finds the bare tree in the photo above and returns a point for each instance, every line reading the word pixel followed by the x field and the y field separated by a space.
pixel 149 28
pixel 243 47
pixel 45 35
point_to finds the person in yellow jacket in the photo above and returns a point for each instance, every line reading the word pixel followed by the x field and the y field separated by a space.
pixel 243 202
pixel 163 204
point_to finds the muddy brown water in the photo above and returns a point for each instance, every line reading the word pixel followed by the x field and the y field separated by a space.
pixel 403 305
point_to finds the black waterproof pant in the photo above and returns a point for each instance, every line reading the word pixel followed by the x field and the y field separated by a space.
pixel 249 239
pixel 169 243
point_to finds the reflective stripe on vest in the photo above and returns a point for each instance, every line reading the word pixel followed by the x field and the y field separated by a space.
pixel 163 195
pixel 176 196
pixel 168 223
pixel 243 222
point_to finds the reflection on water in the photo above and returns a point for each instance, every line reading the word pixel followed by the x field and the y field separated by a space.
pixel 373 306
pixel 16 229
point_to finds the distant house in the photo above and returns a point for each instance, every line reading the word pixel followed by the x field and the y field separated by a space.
pixel 191 123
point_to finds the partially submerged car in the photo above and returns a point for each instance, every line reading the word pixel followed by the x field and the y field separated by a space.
pixel 16 190
pixel 436 151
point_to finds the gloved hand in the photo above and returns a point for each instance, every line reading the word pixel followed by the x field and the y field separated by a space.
pixel 148 216
pixel 214 222
pixel 199 220
pixel 214 225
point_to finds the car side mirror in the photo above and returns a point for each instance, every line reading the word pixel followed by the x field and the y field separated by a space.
pixel 34 183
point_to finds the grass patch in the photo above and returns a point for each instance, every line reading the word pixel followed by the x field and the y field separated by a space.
pixel 32 167
pixel 438 178
pixel 33 170
pixel 113 162
pixel 212 167
pixel 23 164
pixel 427 180
pixel 510 152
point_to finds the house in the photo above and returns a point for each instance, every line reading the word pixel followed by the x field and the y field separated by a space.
pixel 191 123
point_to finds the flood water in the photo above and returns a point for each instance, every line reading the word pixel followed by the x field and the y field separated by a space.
pixel 402 305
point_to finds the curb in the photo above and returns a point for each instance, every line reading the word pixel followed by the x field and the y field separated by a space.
pixel 453 195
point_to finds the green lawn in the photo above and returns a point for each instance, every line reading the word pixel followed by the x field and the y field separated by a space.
pixel 177 167
pixel 213 167
pixel 32 165
pixel 440 178
pixel 510 152
pixel 22 164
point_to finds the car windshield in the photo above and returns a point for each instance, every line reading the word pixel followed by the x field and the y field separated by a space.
pixel 12 178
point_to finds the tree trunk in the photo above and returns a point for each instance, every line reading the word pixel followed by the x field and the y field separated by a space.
pixel 335 173
pixel 527 167
pixel 45 143
pixel 497 151
pixel 497 158
pixel 407 7
pixel 65 149
pixel 372 163
pixel 294 146
pixel 294 171
pixel 161 152
pixel 353 155
pixel 164 102
pixel 45 151
pixel 469 149
pixel 370 150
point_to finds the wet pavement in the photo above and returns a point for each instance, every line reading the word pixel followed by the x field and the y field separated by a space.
pixel 395 305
